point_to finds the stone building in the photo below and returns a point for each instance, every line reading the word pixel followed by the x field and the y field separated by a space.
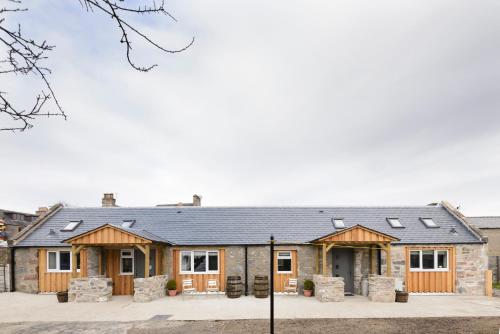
pixel 489 226
pixel 420 249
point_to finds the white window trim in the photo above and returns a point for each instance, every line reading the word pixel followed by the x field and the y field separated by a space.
pixel 58 254
pixel 127 257
pixel 192 272
pixel 420 269
pixel 278 257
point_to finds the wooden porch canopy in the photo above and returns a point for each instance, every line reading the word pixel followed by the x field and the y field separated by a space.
pixel 112 235
pixel 357 236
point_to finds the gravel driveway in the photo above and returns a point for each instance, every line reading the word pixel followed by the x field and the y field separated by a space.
pixel 299 326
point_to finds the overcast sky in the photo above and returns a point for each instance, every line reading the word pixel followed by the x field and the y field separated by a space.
pixel 277 103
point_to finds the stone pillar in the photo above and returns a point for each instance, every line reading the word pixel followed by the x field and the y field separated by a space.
pixel 93 261
pixel 361 268
pixel 328 289
pixel 381 289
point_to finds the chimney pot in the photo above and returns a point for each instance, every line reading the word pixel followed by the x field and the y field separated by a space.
pixel 196 200
pixel 108 200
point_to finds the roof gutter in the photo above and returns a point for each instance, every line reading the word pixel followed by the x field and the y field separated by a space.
pixel 27 231
pixel 461 218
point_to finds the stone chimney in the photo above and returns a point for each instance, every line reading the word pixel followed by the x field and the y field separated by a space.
pixel 196 200
pixel 42 211
pixel 108 200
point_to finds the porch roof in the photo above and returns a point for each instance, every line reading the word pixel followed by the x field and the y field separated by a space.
pixel 113 234
pixel 356 234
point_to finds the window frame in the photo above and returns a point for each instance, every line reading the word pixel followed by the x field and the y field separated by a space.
pixel 76 224
pixel 289 257
pixel 191 254
pixel 339 226
pixel 391 219
pixel 58 261
pixel 127 257
pixel 423 219
pixel 436 251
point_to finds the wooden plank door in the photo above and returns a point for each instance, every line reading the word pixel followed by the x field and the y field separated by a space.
pixel 281 279
pixel 122 284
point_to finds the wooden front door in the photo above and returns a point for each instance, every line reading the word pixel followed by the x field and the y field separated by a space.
pixel 122 284
pixel 343 266
pixel 285 267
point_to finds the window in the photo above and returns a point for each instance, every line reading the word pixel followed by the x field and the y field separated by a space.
pixel 71 226
pixel 199 262
pixel 284 262
pixel 428 222
pixel 415 259
pixel 78 262
pixel 338 223
pixel 127 262
pixel 429 260
pixel 394 222
pixel 58 261
pixel 128 223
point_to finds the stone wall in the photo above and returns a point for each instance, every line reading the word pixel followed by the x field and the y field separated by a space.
pixel 26 270
pixel 5 278
pixel 381 289
pixel 328 289
pixel 151 288
pixel 471 263
pixel 493 265
pixel 235 264
pixel 4 256
pixel 90 289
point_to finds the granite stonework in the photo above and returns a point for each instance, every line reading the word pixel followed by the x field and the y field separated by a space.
pixel 361 268
pixel 381 289
pixel 93 260
pixel 398 268
pixel 151 288
pixel 4 255
pixel 471 264
pixel 328 289
pixel 90 289
pixel 493 265
pixel 26 270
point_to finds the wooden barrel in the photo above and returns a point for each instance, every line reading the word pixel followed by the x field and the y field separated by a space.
pixel 233 287
pixel 261 286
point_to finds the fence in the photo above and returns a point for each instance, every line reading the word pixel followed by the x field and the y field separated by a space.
pixel 4 278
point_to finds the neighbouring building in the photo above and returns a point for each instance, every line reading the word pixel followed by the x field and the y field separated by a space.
pixel 423 249
pixel 489 226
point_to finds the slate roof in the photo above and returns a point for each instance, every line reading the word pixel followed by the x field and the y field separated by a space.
pixel 485 222
pixel 254 225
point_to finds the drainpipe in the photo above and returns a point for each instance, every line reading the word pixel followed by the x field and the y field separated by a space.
pixel 246 270
pixel 12 270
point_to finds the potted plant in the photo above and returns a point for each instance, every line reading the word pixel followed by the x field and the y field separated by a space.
pixel 308 287
pixel 62 296
pixel 172 287
pixel 401 296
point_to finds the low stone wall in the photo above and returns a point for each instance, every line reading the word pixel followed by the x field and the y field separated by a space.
pixel 328 289
pixel 151 288
pixel 381 289
pixel 90 289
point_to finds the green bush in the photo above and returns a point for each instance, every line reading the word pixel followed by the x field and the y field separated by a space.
pixel 171 285
pixel 308 284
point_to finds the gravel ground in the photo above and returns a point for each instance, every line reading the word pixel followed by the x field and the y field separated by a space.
pixel 347 326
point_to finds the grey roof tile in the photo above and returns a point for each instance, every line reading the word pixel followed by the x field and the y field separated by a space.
pixel 254 225
pixel 485 222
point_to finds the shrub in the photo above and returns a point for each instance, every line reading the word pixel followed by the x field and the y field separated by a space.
pixel 171 285
pixel 308 284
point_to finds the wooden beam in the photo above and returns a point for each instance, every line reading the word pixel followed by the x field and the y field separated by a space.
pixel 79 248
pixel 389 260
pixel 146 261
pixel 324 260
pixel 141 248
pixel 73 261
pixel 318 255
pixel 330 246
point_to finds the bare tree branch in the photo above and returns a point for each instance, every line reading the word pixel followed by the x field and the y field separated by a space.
pixel 25 56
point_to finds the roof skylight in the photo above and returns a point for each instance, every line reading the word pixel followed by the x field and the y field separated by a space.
pixel 71 226
pixel 128 223
pixel 338 222
pixel 429 222
pixel 395 222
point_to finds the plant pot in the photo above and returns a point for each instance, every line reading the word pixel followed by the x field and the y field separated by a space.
pixel 62 296
pixel 401 297
pixel 172 293
pixel 308 293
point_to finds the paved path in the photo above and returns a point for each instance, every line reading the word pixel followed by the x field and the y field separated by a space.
pixel 294 326
pixel 20 307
